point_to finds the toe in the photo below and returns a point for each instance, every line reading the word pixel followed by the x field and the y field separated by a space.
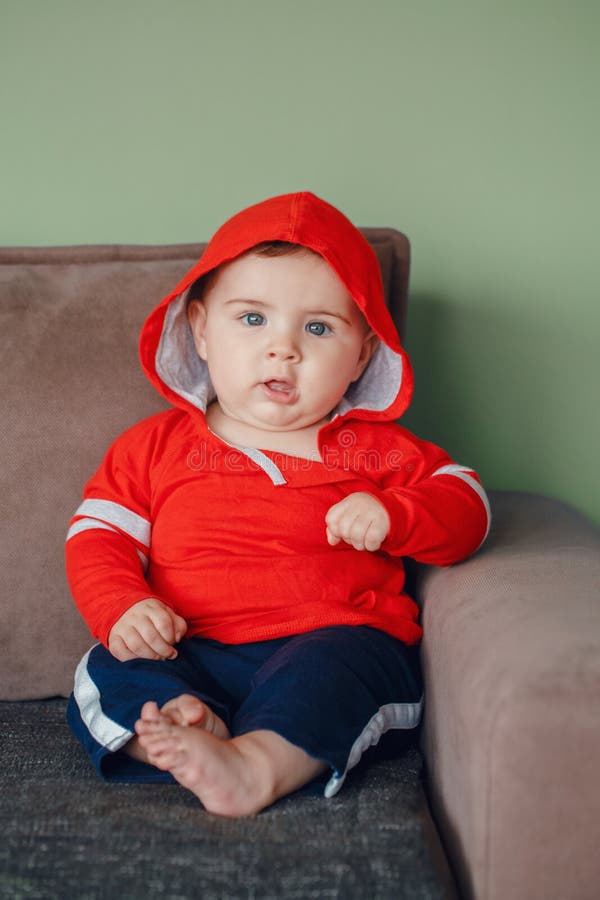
pixel 192 709
pixel 148 728
pixel 185 710
pixel 150 712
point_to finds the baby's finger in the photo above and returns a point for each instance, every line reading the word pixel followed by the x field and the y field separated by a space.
pixel 161 620
pixel 373 538
pixel 134 646
pixel 148 643
pixel 356 536
pixel 119 648
pixel 339 529
pixel 352 530
pixel 336 515
pixel 332 537
pixel 180 626
pixel 340 521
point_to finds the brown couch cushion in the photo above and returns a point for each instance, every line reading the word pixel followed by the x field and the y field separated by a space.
pixel 69 326
pixel 511 657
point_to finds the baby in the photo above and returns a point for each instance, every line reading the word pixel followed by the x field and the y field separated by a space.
pixel 239 557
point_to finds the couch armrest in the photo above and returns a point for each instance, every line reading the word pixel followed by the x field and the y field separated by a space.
pixel 511 657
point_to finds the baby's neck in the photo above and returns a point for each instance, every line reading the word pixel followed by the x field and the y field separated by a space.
pixel 302 442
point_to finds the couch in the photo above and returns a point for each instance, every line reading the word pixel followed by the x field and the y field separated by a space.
pixel 497 797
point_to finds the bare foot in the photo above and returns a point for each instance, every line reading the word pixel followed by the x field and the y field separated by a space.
pixel 185 710
pixel 235 777
pixel 212 768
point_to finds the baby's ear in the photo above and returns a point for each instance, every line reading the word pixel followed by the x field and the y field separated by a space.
pixel 196 313
pixel 369 346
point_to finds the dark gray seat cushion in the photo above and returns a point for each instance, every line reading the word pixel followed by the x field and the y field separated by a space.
pixel 67 834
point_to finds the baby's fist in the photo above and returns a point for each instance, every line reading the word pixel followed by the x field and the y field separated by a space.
pixel 147 630
pixel 360 520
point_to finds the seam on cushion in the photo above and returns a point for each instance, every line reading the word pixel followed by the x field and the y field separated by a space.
pixel 85 254
pixel 68 254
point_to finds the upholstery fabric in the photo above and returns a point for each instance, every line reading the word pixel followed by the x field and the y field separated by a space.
pixel 67 834
pixel 511 659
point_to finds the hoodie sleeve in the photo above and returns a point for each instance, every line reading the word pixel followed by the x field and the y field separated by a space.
pixel 108 541
pixel 438 509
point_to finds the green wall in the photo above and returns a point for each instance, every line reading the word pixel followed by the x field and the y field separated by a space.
pixel 472 126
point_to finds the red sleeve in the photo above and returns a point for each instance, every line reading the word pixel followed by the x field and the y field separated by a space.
pixel 106 577
pixel 108 541
pixel 439 511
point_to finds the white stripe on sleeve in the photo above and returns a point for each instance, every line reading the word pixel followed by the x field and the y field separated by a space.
pixel 111 513
pixel 85 525
pixel 95 524
pixel 466 474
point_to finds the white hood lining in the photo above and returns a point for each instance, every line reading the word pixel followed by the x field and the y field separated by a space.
pixel 177 362
pixel 378 386
pixel 181 369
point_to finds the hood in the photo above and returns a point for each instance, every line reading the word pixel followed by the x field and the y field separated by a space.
pixel 167 351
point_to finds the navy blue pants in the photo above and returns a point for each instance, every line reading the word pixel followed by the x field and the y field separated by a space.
pixel 333 692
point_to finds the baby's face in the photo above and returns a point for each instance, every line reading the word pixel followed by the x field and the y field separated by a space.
pixel 282 338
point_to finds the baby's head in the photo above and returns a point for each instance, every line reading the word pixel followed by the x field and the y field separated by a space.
pixel 282 338
pixel 272 320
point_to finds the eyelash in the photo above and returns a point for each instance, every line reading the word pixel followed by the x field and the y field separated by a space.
pixel 254 320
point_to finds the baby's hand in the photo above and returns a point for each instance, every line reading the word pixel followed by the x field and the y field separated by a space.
pixel 360 520
pixel 147 630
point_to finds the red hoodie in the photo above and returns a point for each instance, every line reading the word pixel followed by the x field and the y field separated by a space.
pixel 234 539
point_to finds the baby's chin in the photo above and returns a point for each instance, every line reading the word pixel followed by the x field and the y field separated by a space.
pixel 288 424
pixel 288 427
pixel 275 419
pixel 290 436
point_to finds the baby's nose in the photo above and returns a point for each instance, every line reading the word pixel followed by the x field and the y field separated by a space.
pixel 287 354
pixel 284 347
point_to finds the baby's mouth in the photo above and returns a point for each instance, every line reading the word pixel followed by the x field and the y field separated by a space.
pixel 280 391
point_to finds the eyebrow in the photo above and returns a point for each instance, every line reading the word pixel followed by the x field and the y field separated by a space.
pixel 333 315
pixel 246 301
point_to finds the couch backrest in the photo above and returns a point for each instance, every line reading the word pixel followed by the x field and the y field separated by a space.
pixel 70 318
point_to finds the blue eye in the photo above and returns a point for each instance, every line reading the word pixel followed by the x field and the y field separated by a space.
pixel 318 328
pixel 253 318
